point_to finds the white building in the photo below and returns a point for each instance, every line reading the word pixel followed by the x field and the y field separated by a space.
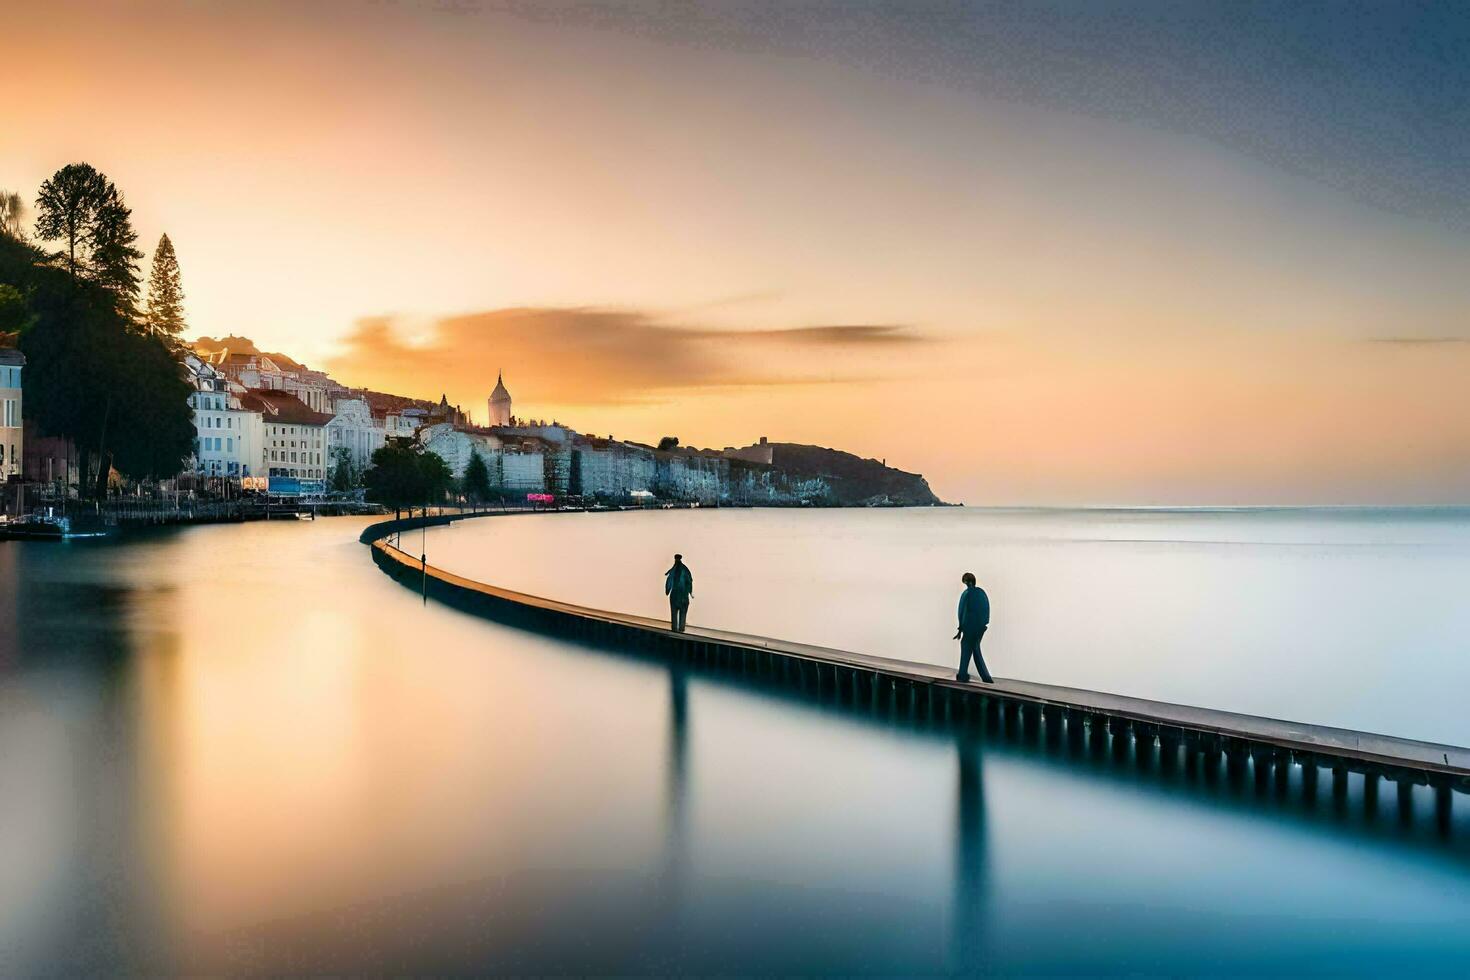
pixel 355 429
pixel 258 371
pixel 606 467
pixel 228 438
pixel 454 444
pixel 688 476
pixel 523 471
pixel 12 433
pixel 762 452
pixel 295 437
pixel 500 404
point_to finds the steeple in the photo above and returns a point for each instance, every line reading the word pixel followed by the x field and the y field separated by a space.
pixel 500 402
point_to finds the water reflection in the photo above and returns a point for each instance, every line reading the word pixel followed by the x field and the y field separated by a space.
pixel 676 833
pixel 73 801
pixel 245 749
pixel 971 889
pixel 1263 783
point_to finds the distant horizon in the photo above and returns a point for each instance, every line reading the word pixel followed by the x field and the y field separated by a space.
pixel 1048 252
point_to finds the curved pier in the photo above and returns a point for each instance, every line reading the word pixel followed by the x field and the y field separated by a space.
pixel 1171 738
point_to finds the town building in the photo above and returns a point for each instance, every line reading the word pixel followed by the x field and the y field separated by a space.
pixel 260 371
pixel 523 470
pixel 684 475
pixel 761 452
pixel 412 420
pixel 229 440
pixel 609 468
pixel 49 460
pixel 355 429
pixel 500 403
pixel 295 440
pixel 12 426
pixel 456 443
pixel 445 412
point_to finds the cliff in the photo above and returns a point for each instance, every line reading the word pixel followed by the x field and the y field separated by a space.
pixel 855 481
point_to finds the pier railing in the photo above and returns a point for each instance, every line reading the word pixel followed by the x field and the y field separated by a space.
pixel 1171 737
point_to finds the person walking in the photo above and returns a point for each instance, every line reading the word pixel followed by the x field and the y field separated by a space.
pixel 974 618
pixel 678 586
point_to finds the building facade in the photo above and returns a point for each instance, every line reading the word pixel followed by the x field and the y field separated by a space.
pixel 354 429
pixel 12 428
pixel 228 437
pixel 456 443
pixel 608 468
pixel 523 471
pixel 295 437
pixel 762 452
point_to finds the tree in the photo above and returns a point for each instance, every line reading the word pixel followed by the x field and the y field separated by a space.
pixel 403 474
pixel 152 429
pixel 344 474
pixel 12 215
pixel 477 478
pixel 81 207
pixel 67 208
pixel 116 393
pixel 668 444
pixel 114 264
pixel 165 292
pixel 15 312
pixel 434 476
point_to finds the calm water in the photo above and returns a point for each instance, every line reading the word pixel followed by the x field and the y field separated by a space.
pixel 244 749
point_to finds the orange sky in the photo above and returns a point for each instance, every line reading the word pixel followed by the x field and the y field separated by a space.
pixel 661 231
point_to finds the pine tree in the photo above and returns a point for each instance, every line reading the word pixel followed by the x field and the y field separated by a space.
pixel 67 207
pixel 165 292
pixel 114 259
pixel 86 210
pixel 477 478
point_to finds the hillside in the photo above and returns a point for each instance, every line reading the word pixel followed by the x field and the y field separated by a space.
pixel 854 481
pixel 244 345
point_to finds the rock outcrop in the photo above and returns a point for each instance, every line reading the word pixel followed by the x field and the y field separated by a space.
pixel 854 481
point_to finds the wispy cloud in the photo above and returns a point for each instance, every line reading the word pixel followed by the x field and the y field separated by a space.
pixel 591 356
pixel 834 335
pixel 1420 341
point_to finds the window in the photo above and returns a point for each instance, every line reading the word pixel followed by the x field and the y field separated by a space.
pixel 230 444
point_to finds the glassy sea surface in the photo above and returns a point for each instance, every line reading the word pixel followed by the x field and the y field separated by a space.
pixel 244 749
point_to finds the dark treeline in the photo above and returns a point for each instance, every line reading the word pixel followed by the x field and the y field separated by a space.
pixel 98 371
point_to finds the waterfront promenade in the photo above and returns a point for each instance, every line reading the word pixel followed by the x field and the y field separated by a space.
pixel 1281 758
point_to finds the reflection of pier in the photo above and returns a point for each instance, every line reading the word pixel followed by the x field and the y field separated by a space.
pixel 1243 755
pixel 971 861
pixel 676 835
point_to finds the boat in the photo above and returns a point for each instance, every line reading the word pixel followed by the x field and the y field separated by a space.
pixel 48 527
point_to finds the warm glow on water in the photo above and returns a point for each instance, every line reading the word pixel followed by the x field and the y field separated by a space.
pixel 244 748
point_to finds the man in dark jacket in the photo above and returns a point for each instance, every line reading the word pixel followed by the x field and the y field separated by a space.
pixel 678 586
pixel 974 618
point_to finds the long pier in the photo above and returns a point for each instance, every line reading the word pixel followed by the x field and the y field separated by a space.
pixel 1171 737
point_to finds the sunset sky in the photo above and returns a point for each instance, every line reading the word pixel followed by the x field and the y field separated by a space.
pixel 1040 252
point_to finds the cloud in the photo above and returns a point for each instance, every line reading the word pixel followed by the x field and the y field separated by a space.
pixel 1419 341
pixel 593 356
pixel 850 335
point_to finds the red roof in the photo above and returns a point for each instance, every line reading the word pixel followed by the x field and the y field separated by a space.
pixel 288 408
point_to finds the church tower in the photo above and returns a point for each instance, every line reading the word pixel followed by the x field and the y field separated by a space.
pixel 500 402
